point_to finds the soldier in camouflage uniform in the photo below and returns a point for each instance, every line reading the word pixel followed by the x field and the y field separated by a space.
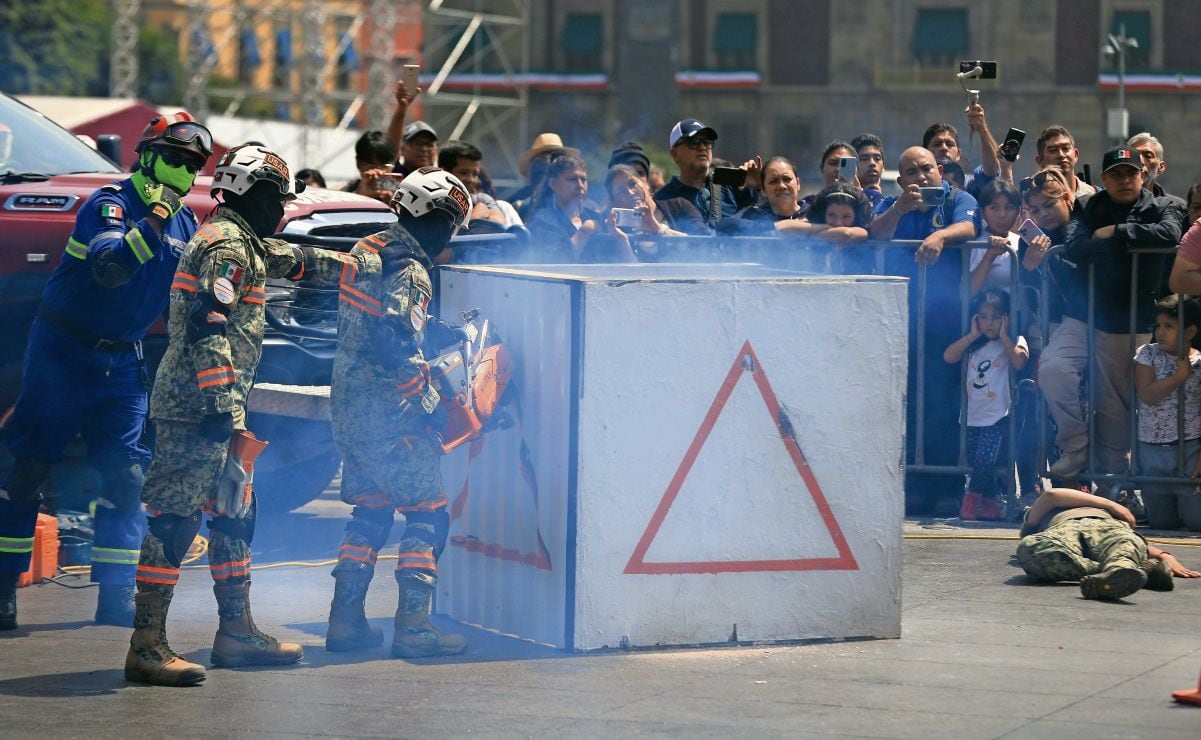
pixel 383 408
pixel 217 307
pixel 1069 535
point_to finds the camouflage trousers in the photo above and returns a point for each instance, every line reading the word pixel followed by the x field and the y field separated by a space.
pixel 181 480
pixel 1075 548
pixel 406 478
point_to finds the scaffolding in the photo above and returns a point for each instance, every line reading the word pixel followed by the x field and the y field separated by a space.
pixel 475 52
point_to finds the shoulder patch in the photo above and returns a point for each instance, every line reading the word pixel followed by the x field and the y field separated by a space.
pixel 231 271
pixel 223 291
pixel 111 211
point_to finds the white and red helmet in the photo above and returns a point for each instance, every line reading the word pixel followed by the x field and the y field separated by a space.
pixel 432 189
pixel 245 165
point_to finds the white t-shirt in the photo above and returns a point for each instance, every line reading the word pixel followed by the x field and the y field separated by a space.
pixel 1000 272
pixel 987 380
pixel 1157 423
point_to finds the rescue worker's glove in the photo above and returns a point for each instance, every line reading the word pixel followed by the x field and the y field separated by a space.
pixel 164 202
pixel 440 334
pixel 217 428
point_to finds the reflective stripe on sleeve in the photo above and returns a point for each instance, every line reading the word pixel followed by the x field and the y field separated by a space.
pixel 115 556
pixel 77 249
pixel 138 244
pixel 184 281
pixel 215 376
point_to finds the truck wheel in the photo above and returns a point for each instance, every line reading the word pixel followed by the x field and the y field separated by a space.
pixel 298 464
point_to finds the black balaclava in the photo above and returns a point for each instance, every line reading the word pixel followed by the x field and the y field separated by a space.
pixel 432 231
pixel 262 207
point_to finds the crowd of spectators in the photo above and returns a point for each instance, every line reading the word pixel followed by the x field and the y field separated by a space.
pixel 1054 230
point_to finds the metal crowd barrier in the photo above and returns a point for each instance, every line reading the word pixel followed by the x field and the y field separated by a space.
pixel 816 256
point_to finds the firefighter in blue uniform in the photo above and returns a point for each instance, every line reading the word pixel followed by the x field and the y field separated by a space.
pixel 84 367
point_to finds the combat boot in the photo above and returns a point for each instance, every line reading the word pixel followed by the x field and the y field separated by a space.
pixel 8 600
pixel 348 626
pixel 238 641
pixel 115 605
pixel 1113 583
pixel 415 637
pixel 1159 575
pixel 150 658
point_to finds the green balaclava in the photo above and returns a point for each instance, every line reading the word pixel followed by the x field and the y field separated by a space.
pixel 152 169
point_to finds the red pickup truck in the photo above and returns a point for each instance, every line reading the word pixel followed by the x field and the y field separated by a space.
pixel 45 174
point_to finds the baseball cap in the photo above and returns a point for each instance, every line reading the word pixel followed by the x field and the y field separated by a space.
pixel 417 127
pixel 1122 155
pixel 687 129
pixel 631 153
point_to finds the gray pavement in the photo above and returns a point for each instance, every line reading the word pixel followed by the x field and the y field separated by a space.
pixel 982 655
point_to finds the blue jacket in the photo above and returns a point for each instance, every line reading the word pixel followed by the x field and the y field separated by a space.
pixel 112 220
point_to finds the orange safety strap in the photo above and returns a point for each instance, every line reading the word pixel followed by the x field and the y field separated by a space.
pixel 223 375
pixel 159 576
pixel 184 281
pixel 416 561
pixel 231 569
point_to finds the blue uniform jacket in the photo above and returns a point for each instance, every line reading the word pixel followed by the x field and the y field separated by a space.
pixel 112 219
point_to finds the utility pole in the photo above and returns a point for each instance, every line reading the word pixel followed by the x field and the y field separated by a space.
pixel 1118 126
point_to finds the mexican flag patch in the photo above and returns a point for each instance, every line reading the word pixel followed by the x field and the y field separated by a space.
pixel 231 271
pixel 111 210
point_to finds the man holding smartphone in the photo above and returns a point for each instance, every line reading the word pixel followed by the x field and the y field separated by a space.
pixel 930 210
pixel 691 144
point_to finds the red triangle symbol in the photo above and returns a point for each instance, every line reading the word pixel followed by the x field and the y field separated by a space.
pixel 745 362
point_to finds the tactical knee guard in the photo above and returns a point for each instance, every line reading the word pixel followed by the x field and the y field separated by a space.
pixel 431 527
pixel 237 529
pixel 371 524
pixel 25 481
pixel 176 533
pixel 122 486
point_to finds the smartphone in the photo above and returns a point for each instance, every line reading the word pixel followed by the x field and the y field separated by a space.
pixel 989 69
pixel 932 196
pixel 387 183
pixel 846 169
pixel 1029 231
pixel 627 218
pixel 409 78
pixel 729 176
pixel 1013 144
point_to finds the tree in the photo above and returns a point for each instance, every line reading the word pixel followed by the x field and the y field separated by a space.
pixel 55 47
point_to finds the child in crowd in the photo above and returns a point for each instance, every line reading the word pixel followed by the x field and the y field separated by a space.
pixel 990 354
pixel 841 214
pixel 992 266
pixel 1160 369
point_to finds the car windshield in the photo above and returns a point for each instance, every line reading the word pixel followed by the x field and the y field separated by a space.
pixel 30 143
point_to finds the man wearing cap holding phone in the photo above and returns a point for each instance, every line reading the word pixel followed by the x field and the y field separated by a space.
pixel 691 144
pixel 84 367
pixel 418 148
pixel 1101 234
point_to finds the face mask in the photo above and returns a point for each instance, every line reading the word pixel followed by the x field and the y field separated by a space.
pixel 176 178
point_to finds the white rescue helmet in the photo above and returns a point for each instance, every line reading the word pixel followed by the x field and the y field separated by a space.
pixel 433 189
pixel 245 165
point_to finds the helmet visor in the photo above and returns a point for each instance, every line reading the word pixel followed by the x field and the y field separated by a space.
pixel 189 134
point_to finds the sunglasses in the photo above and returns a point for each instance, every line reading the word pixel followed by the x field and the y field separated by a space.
pixel 699 143
pixel 187 132
pixel 177 158
pixel 1037 181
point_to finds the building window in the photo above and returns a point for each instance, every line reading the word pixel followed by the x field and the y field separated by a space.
pixel 940 36
pixel 583 42
pixel 348 61
pixel 1138 26
pixel 734 38
pixel 282 66
pixel 248 55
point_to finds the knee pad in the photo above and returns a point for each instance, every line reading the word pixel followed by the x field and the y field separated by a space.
pixel 238 529
pixel 176 533
pixel 419 523
pixel 25 481
pixel 372 525
pixel 122 485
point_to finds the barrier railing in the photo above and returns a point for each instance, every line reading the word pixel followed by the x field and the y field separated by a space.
pixel 875 258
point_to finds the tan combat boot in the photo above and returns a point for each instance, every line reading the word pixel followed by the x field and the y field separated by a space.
pixel 238 641
pixel 348 625
pixel 150 658
pixel 415 637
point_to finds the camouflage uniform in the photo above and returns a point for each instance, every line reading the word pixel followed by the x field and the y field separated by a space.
pixel 381 401
pixel 1078 542
pixel 225 266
